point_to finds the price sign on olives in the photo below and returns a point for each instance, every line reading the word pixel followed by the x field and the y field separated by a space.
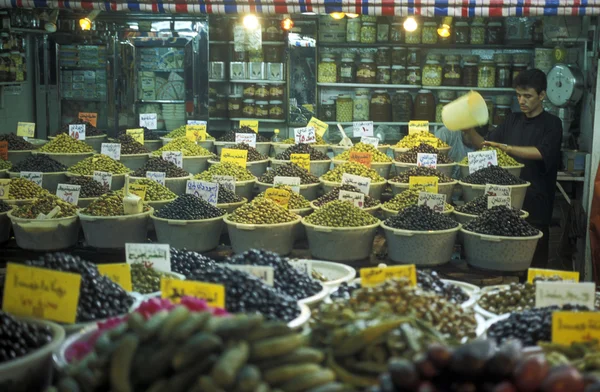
pixel 25 129
pixel 195 133
pixel 118 273
pixel 207 191
pixel 239 157
pixel 175 157
pixel 174 290
pixel 4 188
pixel 293 182
pixel 196 122
pixel 362 183
pixel 416 126
pixel 137 134
pixel 104 178
pixel 138 190
pixel 279 196
pixel 246 138
pixel 252 124
pixel 362 128
pixel 533 273
pixel 149 120
pixel 157 256
pixel 429 182
pixel 68 193
pixel 35 177
pixel 563 293
pixel 427 160
pixel 304 266
pixel 434 201
pixel 4 150
pixel 497 190
pixel 305 135
pixel 374 141
pixel 157 176
pixel 482 159
pixel 364 158
pixel 302 160
pixel 77 131
pixel 571 327
pixel 356 198
pixel 112 150
pixel 373 276
pixel 92 118
pixel 494 201
pixel 226 182
pixel 261 272
pixel 319 126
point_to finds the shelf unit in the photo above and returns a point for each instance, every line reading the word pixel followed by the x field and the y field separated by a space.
pixel 264 120
pixel 373 86
pixel 247 81
pixel 381 123
pixel 264 43
pixel 10 83
pixel 162 70
pixel 160 101
pixel 422 46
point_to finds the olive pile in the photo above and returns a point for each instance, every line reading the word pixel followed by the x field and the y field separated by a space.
pixel 262 211
pixel 411 155
pixel 89 187
pixel 185 262
pixel 181 132
pixel 515 298
pixel 529 326
pixel 503 158
pixel 21 188
pixel 415 139
pixel 131 146
pixel 296 202
pixel 64 144
pixel 19 338
pixel 253 154
pixel 16 143
pixel 90 130
pixel 407 198
pixel 4 165
pixel 341 214
pixel 43 205
pixel 187 148
pixel 289 170
pixel 225 169
pixel 501 221
pixel 302 148
pixel 39 163
pixel 228 197
pixel 357 169
pixel 149 134
pixel 189 207
pixel 345 290
pixel 430 281
pixel 492 175
pixel 230 136
pixel 160 165
pixel 477 206
pixel 334 194
pixel 420 218
pixel 109 204
pixel 5 207
pixel 378 156
pixel 98 162
pixel 155 191
pixel 287 279
pixel 146 280
pixel 421 171
pixel 320 141
pixel 99 297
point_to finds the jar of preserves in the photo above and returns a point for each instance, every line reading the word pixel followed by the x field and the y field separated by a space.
pixel 413 75
pixel 327 72
pixel 470 72
pixel 381 106
pixel 413 37
pixel 212 108
pixel 461 33
pixel 248 108
pixel 491 109
pixel 343 109
pixel 397 32
pixel 261 109
pixel 399 56
pixel 276 92
pixel 276 110
pixel 413 57
pixel 500 114
pixel 398 74
pixel 271 31
pixel 4 67
pixel 366 72
pixel 368 33
pixel 234 106
pixel 239 55
pixel 261 91
pixel 495 33
pixel 432 73
pixel 328 110
pixel 477 33
pixel 383 56
pixel 503 75
pixel 517 69
pixel 486 76
pixel 368 18
pixel 424 108
pixel 249 91
pixel 452 73
pixel 402 106
pixel 429 35
pixel 383 29
pixel 353 30
pixel 361 105
pixel 347 70
pixel 384 74
pixel 256 56
pixel 273 53
pixel 438 109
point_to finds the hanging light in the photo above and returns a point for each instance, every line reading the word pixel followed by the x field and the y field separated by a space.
pixel 251 22
pixel 287 23
pixel 86 23
pixel 50 25
pixel 444 28
pixel 337 15
pixel 410 24
pixel 352 16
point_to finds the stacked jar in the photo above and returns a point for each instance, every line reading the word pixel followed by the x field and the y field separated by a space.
pixel 470 71
pixel 383 29
pixel 361 105
pixel 343 109
pixel 347 68
pixel 502 109
pixel 366 71
pixel 424 108
pixel 327 71
pixel 444 97
pixel 429 35
pixel 235 106
pixel 477 34
pixel 495 33
pixel 402 106
pixel 276 110
pixel 368 33
pixel 353 30
pixel 432 73
pixel 461 33
pixel 397 31
pixel 381 106
pixel 452 74
pixel 486 76
pixel 413 37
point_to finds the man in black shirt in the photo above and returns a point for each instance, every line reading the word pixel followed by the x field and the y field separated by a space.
pixel 533 137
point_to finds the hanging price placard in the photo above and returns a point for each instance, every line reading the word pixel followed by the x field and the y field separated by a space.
pixel 319 126
pixel 418 126
pixel 305 135
pixel 362 128
pixel 25 129
pixel 175 289
pixel 92 118
pixel 77 131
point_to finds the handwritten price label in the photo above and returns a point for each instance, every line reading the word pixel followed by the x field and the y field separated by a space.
pixel 226 182
pixel 430 183
pixel 112 150
pixel 279 196
pixel 68 193
pixel 239 157
pixel 4 188
pixel 77 131
pixel 481 159
pixel 356 198
pixel 362 128
pixel 252 124
pixel 104 178
pixel 137 134
pixel 364 158
pixel 92 118
pixel 494 201
pixel 293 182
pixel 246 138
pixel 302 160
pixel 118 273
pixel 149 120
pixel 175 289
pixel 175 157
pixel 195 133
pixel 304 266
pixel 319 126
pixel 533 273
pixel 157 176
pixel 362 183
pixel 4 150
pixel 370 277
pixel 571 327
pixel 562 293
pixel 374 141
pixel 305 135
pixel 434 201
pixel 138 190
pixel 207 191
pixel 497 190
pixel 418 127
pixel 427 160
pixel 157 256
pixel 25 129
pixel 35 177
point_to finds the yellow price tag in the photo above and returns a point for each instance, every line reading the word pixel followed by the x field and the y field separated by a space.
pixel 138 190
pixel 364 158
pixel 319 126
pixel 41 293
pixel 92 118
pixel 416 126
pixel 174 289
pixel 302 160
pixel 195 133
pixel 430 183
pixel 569 327
pixel 25 129
pixel 239 157
pixel 4 188
pixel 532 273
pixel 279 196
pixel 252 124
pixel 431 140
pixel 374 276
pixel 118 273
pixel 137 134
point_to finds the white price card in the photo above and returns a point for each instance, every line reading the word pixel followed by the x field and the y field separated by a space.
pixel 305 135
pixel 246 138
pixel 356 198
pixel 112 150
pixel 175 157
pixel 362 128
pixel 104 178
pixel 196 122
pixel 157 176
pixel 36 177
pixel 427 160
pixel 362 183
pixel 497 190
pixel 481 159
pixel 157 256
pixel 494 201
pixel 226 182
pixel 562 293
pixel 374 141
pixel 77 131
pixel 68 193
pixel 207 191
pixel 293 182
pixel 263 273
pixel 434 201
pixel 149 120
pixel 304 266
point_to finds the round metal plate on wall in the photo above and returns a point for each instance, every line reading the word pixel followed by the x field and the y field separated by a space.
pixel 565 85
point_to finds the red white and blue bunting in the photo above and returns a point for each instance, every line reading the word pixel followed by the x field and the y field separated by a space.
pixel 428 8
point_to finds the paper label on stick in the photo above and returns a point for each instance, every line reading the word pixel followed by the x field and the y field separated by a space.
pixel 533 273
pixel 104 178
pixel 252 124
pixel 68 193
pixel 304 266
pixel 92 118
pixel 138 190
pixel 293 182
pixel 4 150
pixel 427 160
pixel 481 159
pixel 279 196
pixel 246 138
pixel 261 272
pixel 374 141
pixel 25 129
pixel 118 273
pixel 149 120
pixel 572 327
pixel 195 133
pixel 137 134
pixel 157 256
pixel 364 158
pixel 494 201
pixel 157 176
pixel 112 150
pixel 175 157
pixel 305 135
pixel 239 157
pixel 302 160
pixel 373 276
pixel 77 131
pixel 196 122
pixel 4 188
pixel 226 182
pixel 356 198
pixel 319 126
pixel 417 126
pixel 435 201
pixel 429 182
pixel 35 177
pixel 207 191
pixel 562 293
pixel 175 289
pixel 362 128
pixel 362 183
pixel 497 190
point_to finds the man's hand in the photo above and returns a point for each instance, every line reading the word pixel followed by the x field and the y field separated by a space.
pixel 531 153
pixel 501 146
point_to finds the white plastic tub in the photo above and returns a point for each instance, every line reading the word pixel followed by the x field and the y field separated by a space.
pixel 194 235
pixel 5 226
pixel 336 273
pixel 446 168
pixel 257 168
pixel 463 218
pixel 134 161
pixel 446 188
pixel 95 142
pixel 195 165
pixel 262 147
pixel 153 145
pixel 45 234
pixel 157 205
pixel 84 202
pixel 517 195
pixel 230 207
pixel 370 210
pixel 67 159
pixel 375 190
pixel 176 185
pixel 278 238
pixel 278 148
pixel 50 181
pixel 309 191
pixel 337 150
pixel 118 180
pixel 401 150
pixel 17 156
pixel 382 168
pixel 388 212
pixel 514 170
pixel 317 168
pixel 113 232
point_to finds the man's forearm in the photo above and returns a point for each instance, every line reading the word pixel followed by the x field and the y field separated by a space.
pixel 531 153
pixel 473 139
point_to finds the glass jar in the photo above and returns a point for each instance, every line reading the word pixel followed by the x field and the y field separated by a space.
pixel 249 91
pixel 398 74
pixel 271 31
pixel 261 91
pixel 343 109
pixel 327 72
pixel 429 35
pixel 239 55
pixel 486 76
pixel 366 71
pixel 503 75
pixel 273 53
pixel 256 56
pixel 212 108
pixel 470 71
pixel 432 73
pixel 500 114
pixel 353 30
pixel 234 106
pixel 368 18
pixel 461 33
pixel 381 106
pixel 276 110
pixel 276 92
pixel 384 74
pixel 347 70
pixel 328 110
pixel 402 106
pixel 413 57
pixel 399 56
pixel 221 106
pixel 261 109
pixel 438 110
pixel 368 33
pixel 452 72
pixel 383 56
pixel 495 33
pixel 413 75
pixel 397 32
pixel 383 29
pixel 248 108
pixel 424 108
pixel 361 105
pixel 4 67
pixel 413 37
pixel 517 69
pixel 491 109
pixel 477 33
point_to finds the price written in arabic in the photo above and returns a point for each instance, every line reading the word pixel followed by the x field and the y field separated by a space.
pixel 112 150
pixel 226 182
pixel 427 160
pixel 195 133
pixel 175 157
pixel 292 182
pixel 481 159
pixel 374 141
pixel 261 272
pixel 196 122
pixel 35 177
pixel 571 327
pixel 319 126
pixel 4 150
pixel 118 273
pixel 157 256
pixel 207 191
pixel 417 127
pixel 362 128
pixel 497 190
pixel 434 201
pixel 92 118
pixel 157 176
pixel 364 158
pixel 4 188
pixel 362 183
pixel 279 196
pixel 429 182
pixel 356 198
pixel 494 201
pixel 238 157
pixel 562 293
pixel 149 120
pixel 252 124
pixel 104 178
pixel 137 134
pixel 68 193
pixel 305 135
pixel 302 160
pixel 77 131
pixel 246 138
pixel 533 273
pixel 25 129
pixel 373 276
pixel 138 190
pixel 175 289
pixel 304 266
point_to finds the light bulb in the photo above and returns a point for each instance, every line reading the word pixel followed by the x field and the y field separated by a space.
pixel 287 24
pixel 352 16
pixel 410 24
pixel 337 15
pixel 85 24
pixel 250 22
pixel 444 31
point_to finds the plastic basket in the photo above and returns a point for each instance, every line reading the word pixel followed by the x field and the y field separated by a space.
pixel 66 159
pixel 134 161
pixel 176 185
pixel 278 238
pixel 382 168
pixel 446 168
pixel 118 180
pixel 517 195
pixel 45 234
pixel 317 168
pixel 309 191
pixel 375 190
pixel 514 170
pixel 17 156
pixel 447 188
pixel 264 148
pixel 50 181
pixel 113 232
pixel 370 210
pixel 194 235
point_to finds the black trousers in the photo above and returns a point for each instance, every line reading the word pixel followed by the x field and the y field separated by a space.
pixel 542 251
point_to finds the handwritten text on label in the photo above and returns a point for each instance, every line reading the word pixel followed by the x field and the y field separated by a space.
pixel 157 256
pixel 104 178
pixel 157 176
pixel 319 126
pixel 226 182
pixel 239 157
pixel 25 129
pixel 118 273
pixel 532 273
pixel 361 129
pixel 112 150
pixel 293 182
pixel 362 183
pixel 149 120
pixel 427 160
pixel 430 183
pixel 35 177
pixel 175 289
pixel 570 327
pixel 435 201
pixel 494 201
pixel 374 141
pixel 68 193
pixel 77 131
pixel 562 293
pixel 246 138
pixel 356 198
pixel 373 276
pixel 481 159
pixel 175 157
pixel 207 191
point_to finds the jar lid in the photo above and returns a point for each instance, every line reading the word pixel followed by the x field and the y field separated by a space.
pixel 383 48
pixel 432 61
pixel 414 67
pixel 520 65
pixel 414 49
pixel 487 61
pixel 235 96
pixel 402 92
pixel 477 24
pixel 248 101
pixel 400 48
pixel 362 91
pixel 424 91
pixel 327 102
pixel 397 23
pixel 281 102
pixel 221 96
pixel 261 85
pixel 503 107
pixel 503 64
pixel 398 67
pixel 495 24
pixel 471 59
pixel 328 59
pixel 380 91
pixel 366 60
pixel 452 58
pixel 445 100
pixel 347 59
pixel 369 23
pixel 429 24
pixel 14 52
pixel 262 102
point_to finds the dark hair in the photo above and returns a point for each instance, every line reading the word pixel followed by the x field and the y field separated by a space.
pixel 532 78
